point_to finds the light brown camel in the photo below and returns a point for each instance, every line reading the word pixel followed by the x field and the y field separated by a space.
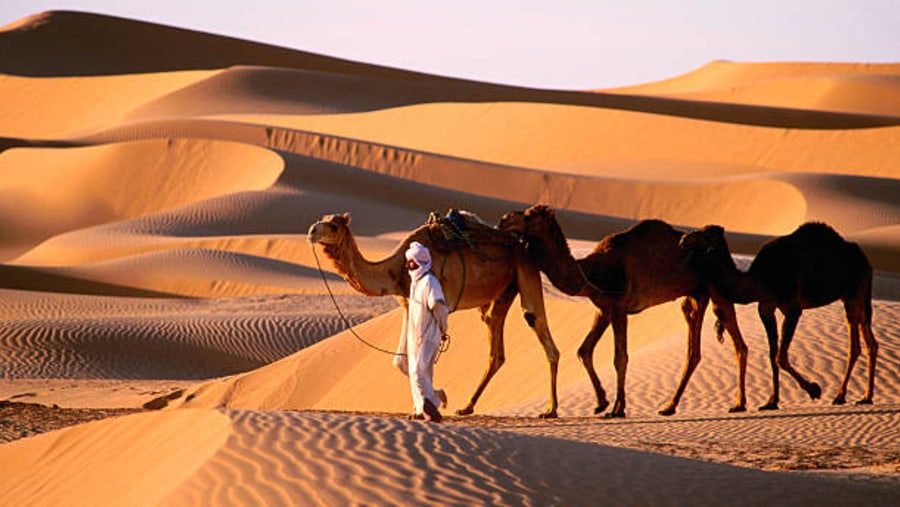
pixel 811 267
pixel 486 274
pixel 626 273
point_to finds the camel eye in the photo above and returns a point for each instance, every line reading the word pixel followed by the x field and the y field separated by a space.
pixel 332 226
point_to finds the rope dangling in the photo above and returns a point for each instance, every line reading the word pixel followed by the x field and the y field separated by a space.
pixel 338 308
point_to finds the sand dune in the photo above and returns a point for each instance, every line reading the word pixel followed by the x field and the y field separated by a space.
pixel 264 457
pixel 156 187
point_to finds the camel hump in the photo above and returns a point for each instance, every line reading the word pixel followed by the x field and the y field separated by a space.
pixel 818 234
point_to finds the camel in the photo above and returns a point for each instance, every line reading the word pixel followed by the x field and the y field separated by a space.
pixel 486 273
pixel 626 273
pixel 811 267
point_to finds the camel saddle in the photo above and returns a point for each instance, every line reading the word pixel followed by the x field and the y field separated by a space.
pixel 462 229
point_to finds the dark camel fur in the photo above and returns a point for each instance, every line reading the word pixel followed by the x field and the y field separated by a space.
pixel 811 267
pixel 626 273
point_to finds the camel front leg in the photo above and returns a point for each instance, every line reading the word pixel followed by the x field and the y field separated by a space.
pixel 528 279
pixel 724 311
pixel 788 328
pixel 767 316
pixel 586 354
pixel 620 334
pixel 494 315
pixel 693 307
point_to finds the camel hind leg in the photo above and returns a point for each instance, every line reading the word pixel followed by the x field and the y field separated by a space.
pixel 586 354
pixel 693 307
pixel 871 343
pixel 853 349
pixel 871 358
pixel 494 315
pixel 620 334
pixel 859 322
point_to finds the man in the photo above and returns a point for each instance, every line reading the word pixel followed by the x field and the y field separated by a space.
pixel 426 324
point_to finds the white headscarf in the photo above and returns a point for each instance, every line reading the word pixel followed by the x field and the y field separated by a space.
pixel 419 253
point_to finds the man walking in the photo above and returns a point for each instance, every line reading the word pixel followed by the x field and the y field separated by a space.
pixel 426 325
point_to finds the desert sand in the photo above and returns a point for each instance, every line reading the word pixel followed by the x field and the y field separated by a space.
pixel 156 187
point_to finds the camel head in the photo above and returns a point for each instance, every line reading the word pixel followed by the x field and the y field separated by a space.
pixel 513 223
pixel 330 229
pixel 706 241
pixel 540 233
pixel 709 251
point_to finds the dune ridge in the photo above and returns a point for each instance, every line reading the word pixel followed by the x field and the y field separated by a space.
pixel 156 187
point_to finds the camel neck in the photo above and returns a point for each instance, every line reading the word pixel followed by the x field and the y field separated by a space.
pixel 379 278
pixel 552 255
pixel 735 284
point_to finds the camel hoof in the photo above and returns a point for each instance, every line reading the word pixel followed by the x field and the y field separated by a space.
pixel 548 415
pixel 839 400
pixel 815 392
pixel 465 411
pixel 864 401
pixel 614 415
pixel 667 411
pixel 601 407
pixel 769 406
pixel 737 409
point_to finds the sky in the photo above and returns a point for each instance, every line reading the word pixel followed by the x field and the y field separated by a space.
pixel 564 44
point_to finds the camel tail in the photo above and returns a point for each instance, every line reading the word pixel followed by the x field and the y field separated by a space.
pixel 720 326
pixel 868 307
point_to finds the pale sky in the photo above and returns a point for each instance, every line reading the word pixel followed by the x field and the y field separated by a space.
pixel 570 44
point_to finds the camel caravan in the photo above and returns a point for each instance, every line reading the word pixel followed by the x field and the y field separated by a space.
pixel 648 264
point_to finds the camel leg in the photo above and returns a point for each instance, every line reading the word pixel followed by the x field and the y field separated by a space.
pixel 724 311
pixel 859 320
pixel 853 324
pixel 532 300
pixel 872 357
pixel 586 354
pixel 767 316
pixel 620 334
pixel 788 327
pixel 494 315
pixel 693 307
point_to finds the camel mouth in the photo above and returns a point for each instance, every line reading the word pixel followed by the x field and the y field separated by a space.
pixel 313 235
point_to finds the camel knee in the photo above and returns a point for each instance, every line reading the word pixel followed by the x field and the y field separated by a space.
pixel 694 359
pixel 782 360
pixel 621 361
pixel 586 353
pixel 552 353
pixel 531 319
pixel 871 344
pixel 741 351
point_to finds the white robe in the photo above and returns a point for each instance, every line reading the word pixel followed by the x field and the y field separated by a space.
pixel 426 322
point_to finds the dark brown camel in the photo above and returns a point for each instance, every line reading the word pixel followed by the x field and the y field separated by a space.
pixel 626 273
pixel 811 267
pixel 487 277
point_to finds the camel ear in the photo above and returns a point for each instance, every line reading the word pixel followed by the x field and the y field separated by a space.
pixel 540 209
pixel 346 217
pixel 716 231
